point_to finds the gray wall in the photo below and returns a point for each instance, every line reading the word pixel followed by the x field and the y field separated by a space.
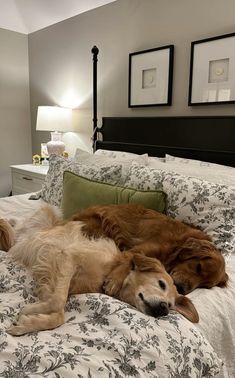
pixel 61 63
pixel 15 131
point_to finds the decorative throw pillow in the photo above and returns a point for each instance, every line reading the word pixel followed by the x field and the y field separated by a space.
pixel 206 205
pixel 52 189
pixel 80 193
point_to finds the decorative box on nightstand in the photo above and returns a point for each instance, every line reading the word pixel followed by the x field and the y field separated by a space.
pixel 27 178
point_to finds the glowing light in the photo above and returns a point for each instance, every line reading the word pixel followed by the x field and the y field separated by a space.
pixel 71 99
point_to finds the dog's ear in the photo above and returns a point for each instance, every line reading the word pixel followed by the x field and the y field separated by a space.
pixel 146 264
pixel 224 281
pixel 185 307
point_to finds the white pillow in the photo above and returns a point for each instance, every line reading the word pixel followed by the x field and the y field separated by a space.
pixel 220 174
pixel 156 162
pixel 123 156
pixel 144 159
pixel 175 159
pixel 206 205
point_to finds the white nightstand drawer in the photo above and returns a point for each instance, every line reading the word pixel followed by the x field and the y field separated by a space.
pixel 23 183
pixel 27 178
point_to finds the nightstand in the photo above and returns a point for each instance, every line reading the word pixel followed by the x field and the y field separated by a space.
pixel 27 178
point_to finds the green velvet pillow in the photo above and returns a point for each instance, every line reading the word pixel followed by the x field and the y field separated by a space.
pixel 80 193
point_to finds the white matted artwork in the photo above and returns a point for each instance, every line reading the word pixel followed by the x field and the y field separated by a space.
pixel 212 71
pixel 150 77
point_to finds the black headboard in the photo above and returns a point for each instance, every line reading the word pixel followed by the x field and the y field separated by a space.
pixel 205 138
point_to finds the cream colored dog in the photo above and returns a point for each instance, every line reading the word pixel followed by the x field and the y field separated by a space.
pixel 63 261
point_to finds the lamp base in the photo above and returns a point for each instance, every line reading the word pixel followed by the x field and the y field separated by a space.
pixel 56 145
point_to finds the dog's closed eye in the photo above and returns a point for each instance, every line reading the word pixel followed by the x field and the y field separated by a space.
pixel 162 284
pixel 198 268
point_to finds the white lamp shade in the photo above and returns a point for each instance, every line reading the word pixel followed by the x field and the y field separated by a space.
pixel 54 118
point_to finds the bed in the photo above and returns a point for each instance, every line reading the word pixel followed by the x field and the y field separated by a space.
pixel 103 337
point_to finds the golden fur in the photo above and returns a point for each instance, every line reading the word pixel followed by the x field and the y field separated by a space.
pixel 187 253
pixel 64 261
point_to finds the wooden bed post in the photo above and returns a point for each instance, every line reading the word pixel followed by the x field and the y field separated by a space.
pixel 95 52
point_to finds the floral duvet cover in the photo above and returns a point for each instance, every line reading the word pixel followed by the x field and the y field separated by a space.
pixel 102 337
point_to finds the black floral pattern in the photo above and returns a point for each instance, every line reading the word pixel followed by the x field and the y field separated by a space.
pixel 101 337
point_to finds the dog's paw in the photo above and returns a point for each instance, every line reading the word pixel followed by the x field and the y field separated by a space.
pixel 111 287
pixel 107 285
pixel 16 330
pixel 19 326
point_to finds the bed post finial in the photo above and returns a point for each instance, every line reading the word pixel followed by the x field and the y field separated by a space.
pixel 95 52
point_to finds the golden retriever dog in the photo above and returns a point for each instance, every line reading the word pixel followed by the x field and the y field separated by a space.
pixel 187 253
pixel 64 261
pixel 7 235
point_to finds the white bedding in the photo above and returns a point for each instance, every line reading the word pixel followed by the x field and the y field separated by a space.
pixel 216 309
pixel 103 337
pixel 18 207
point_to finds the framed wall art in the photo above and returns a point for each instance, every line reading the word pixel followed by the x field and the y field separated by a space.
pixel 150 77
pixel 212 71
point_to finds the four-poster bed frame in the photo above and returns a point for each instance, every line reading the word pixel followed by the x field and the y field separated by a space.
pixel 209 138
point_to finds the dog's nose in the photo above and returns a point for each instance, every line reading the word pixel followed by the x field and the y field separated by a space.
pixel 160 309
pixel 163 309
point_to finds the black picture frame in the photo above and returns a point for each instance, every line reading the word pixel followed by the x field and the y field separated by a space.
pixel 150 77
pixel 212 71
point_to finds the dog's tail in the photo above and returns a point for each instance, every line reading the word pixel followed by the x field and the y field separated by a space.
pixel 45 217
pixel 7 235
pixel 31 233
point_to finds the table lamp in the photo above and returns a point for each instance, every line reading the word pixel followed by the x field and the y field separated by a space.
pixel 57 120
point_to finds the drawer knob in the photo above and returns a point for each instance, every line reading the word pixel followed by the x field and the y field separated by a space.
pixel 27 178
